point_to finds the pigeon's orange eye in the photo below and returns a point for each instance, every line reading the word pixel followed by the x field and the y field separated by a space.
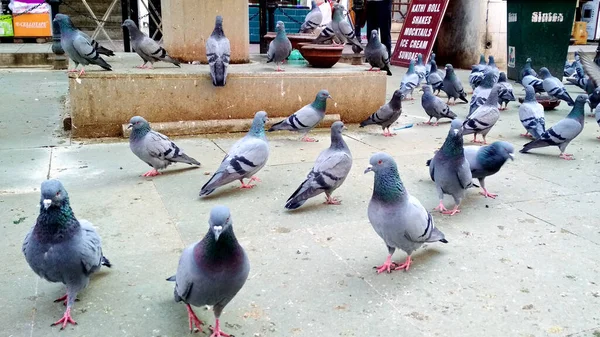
pixel 379 162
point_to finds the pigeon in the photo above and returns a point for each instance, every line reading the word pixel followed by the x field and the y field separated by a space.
pixel 477 72
pixel 505 94
pixel 563 132
pixel 487 160
pixel 312 20
pixel 531 114
pixel 594 99
pixel 280 48
pixel 376 54
pixel 396 216
pixel 420 68
pixel 327 34
pixel 218 52
pixel 328 173
pixel 78 46
pixel 481 93
pixel 212 271
pixel 428 66
pixel 491 66
pixel 452 86
pixel 597 116
pixel 245 158
pixel 434 106
pixel 434 78
pixel 554 87
pixel 481 66
pixel 306 118
pixel 410 81
pixel 450 170
pixel 580 80
pixel 60 248
pixel 148 49
pixel 154 148
pixel 387 114
pixel 342 29
pixel 569 69
pixel 100 49
pixel 484 117
pixel 593 71
pixel 536 83
pixel 527 69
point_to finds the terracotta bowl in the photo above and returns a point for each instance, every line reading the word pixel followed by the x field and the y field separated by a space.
pixel 321 56
pixel 549 103
pixel 295 38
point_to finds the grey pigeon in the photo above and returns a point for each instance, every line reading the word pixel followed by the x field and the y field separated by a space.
pixel 536 83
pixel 569 69
pixel 483 118
pixel 554 87
pixel 306 118
pixel 428 65
pixel 100 49
pixel 434 107
pixel 148 49
pixel 452 86
pixel 487 160
pixel 563 132
pixel 527 69
pixel 154 148
pixel 312 20
pixel 450 170
pixel 491 66
pixel 60 248
pixel 410 81
pixel 420 68
pixel 580 81
pixel 245 158
pixel 434 78
pixel 342 29
pixel 280 48
pixel 328 173
pixel 477 72
pixel 482 92
pixel 78 46
pixel 593 71
pixel 597 116
pixel 212 271
pixel 505 94
pixel 376 53
pixel 396 216
pixel 387 114
pixel 531 114
pixel 327 34
pixel 218 52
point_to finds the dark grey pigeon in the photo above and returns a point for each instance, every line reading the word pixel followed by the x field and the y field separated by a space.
pixel 531 115
pixel 280 48
pixel 482 92
pixel 527 69
pixel 396 216
pixel 450 170
pixel 312 20
pixel 387 114
pixel 452 86
pixel 218 52
pixel 554 87
pixel 484 117
pixel 78 46
pixel 148 49
pixel 505 93
pixel 154 148
pixel 563 132
pixel 60 248
pixel 376 54
pixel 434 107
pixel 487 160
pixel 328 173
pixel 306 118
pixel 245 158
pixel 211 272
pixel 434 78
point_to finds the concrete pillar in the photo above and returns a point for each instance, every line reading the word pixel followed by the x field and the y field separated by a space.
pixel 187 24
pixel 459 41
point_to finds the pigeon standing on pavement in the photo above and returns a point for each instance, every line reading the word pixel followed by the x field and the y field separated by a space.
pixel 535 82
pixel 410 81
pixel 531 114
pixel 487 160
pixel 434 78
pixel 434 107
pixel 218 52
pixel 245 158
pixel 154 148
pixel 450 170
pixel 376 54
pixel 312 20
pixel 387 114
pixel 60 248
pixel 505 94
pixel 420 68
pixel 491 66
pixel 211 271
pixel 306 118
pixel 328 173
pixel 477 72
pixel 148 49
pixel 554 87
pixel 483 118
pixel 396 216
pixel 78 46
pixel 452 86
pixel 527 69
pixel 563 132
pixel 428 66
pixel 481 93
pixel 280 48
pixel 580 81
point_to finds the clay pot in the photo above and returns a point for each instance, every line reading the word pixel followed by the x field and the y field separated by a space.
pixel 549 103
pixel 295 38
pixel 321 56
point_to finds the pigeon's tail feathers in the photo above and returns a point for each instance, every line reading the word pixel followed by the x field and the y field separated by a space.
pixel 184 158
pixel 304 192
pixel 100 61
pixel 171 279
pixel 212 184
pixel 104 51
pixel 218 72
pixel 428 162
pixel 368 121
pixel 450 114
pixel 463 97
pixel 534 144
pixel 387 70
pixel 436 235
pixel 444 241
pixel 572 80
pixel 105 262
pixel 169 59
pixel 280 126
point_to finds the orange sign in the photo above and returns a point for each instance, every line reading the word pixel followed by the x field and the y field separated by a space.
pixel 32 25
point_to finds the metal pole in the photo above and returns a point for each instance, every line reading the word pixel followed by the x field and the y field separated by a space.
pixel 262 20
pixel 56 47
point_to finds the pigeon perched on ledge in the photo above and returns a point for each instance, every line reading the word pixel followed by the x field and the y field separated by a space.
pixel 218 52
pixel 148 49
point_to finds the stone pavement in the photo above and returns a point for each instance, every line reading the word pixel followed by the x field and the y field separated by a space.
pixel 524 264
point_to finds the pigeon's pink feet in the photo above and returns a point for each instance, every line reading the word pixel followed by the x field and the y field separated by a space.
pixel 253 178
pixel 72 71
pixel 405 265
pixel 66 319
pixel 478 141
pixel 81 72
pixel 566 156
pixel 526 135
pixel 195 323
pixel 441 207
pixel 308 139
pixel 388 134
pixel 217 330
pixel 387 266
pixel 370 69
pixel 436 124
pixel 428 122
pixel 279 69
pixel 64 299
pixel 151 173
pixel 487 194
pixel 452 212
pixel 247 186
pixel 329 200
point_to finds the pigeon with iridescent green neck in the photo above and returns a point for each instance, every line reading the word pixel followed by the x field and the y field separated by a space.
pixel 481 93
pixel 280 48
pixel 554 87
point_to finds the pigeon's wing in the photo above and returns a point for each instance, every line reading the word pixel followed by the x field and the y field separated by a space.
pixel 161 147
pixel 90 249
pixel 422 228
pixel 563 131
pixel 590 67
pixel 326 34
pixel 483 118
pixel 151 49
pixel 84 48
pixel 307 116
pixel 218 52
pixel 463 173
pixel 312 21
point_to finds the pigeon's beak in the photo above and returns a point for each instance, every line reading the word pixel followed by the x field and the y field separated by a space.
pixel 130 126
pixel 331 98
pixel 47 203
pixel 217 230
pixel 512 156
pixel 369 169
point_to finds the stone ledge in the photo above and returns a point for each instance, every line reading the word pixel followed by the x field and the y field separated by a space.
pixel 32 60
